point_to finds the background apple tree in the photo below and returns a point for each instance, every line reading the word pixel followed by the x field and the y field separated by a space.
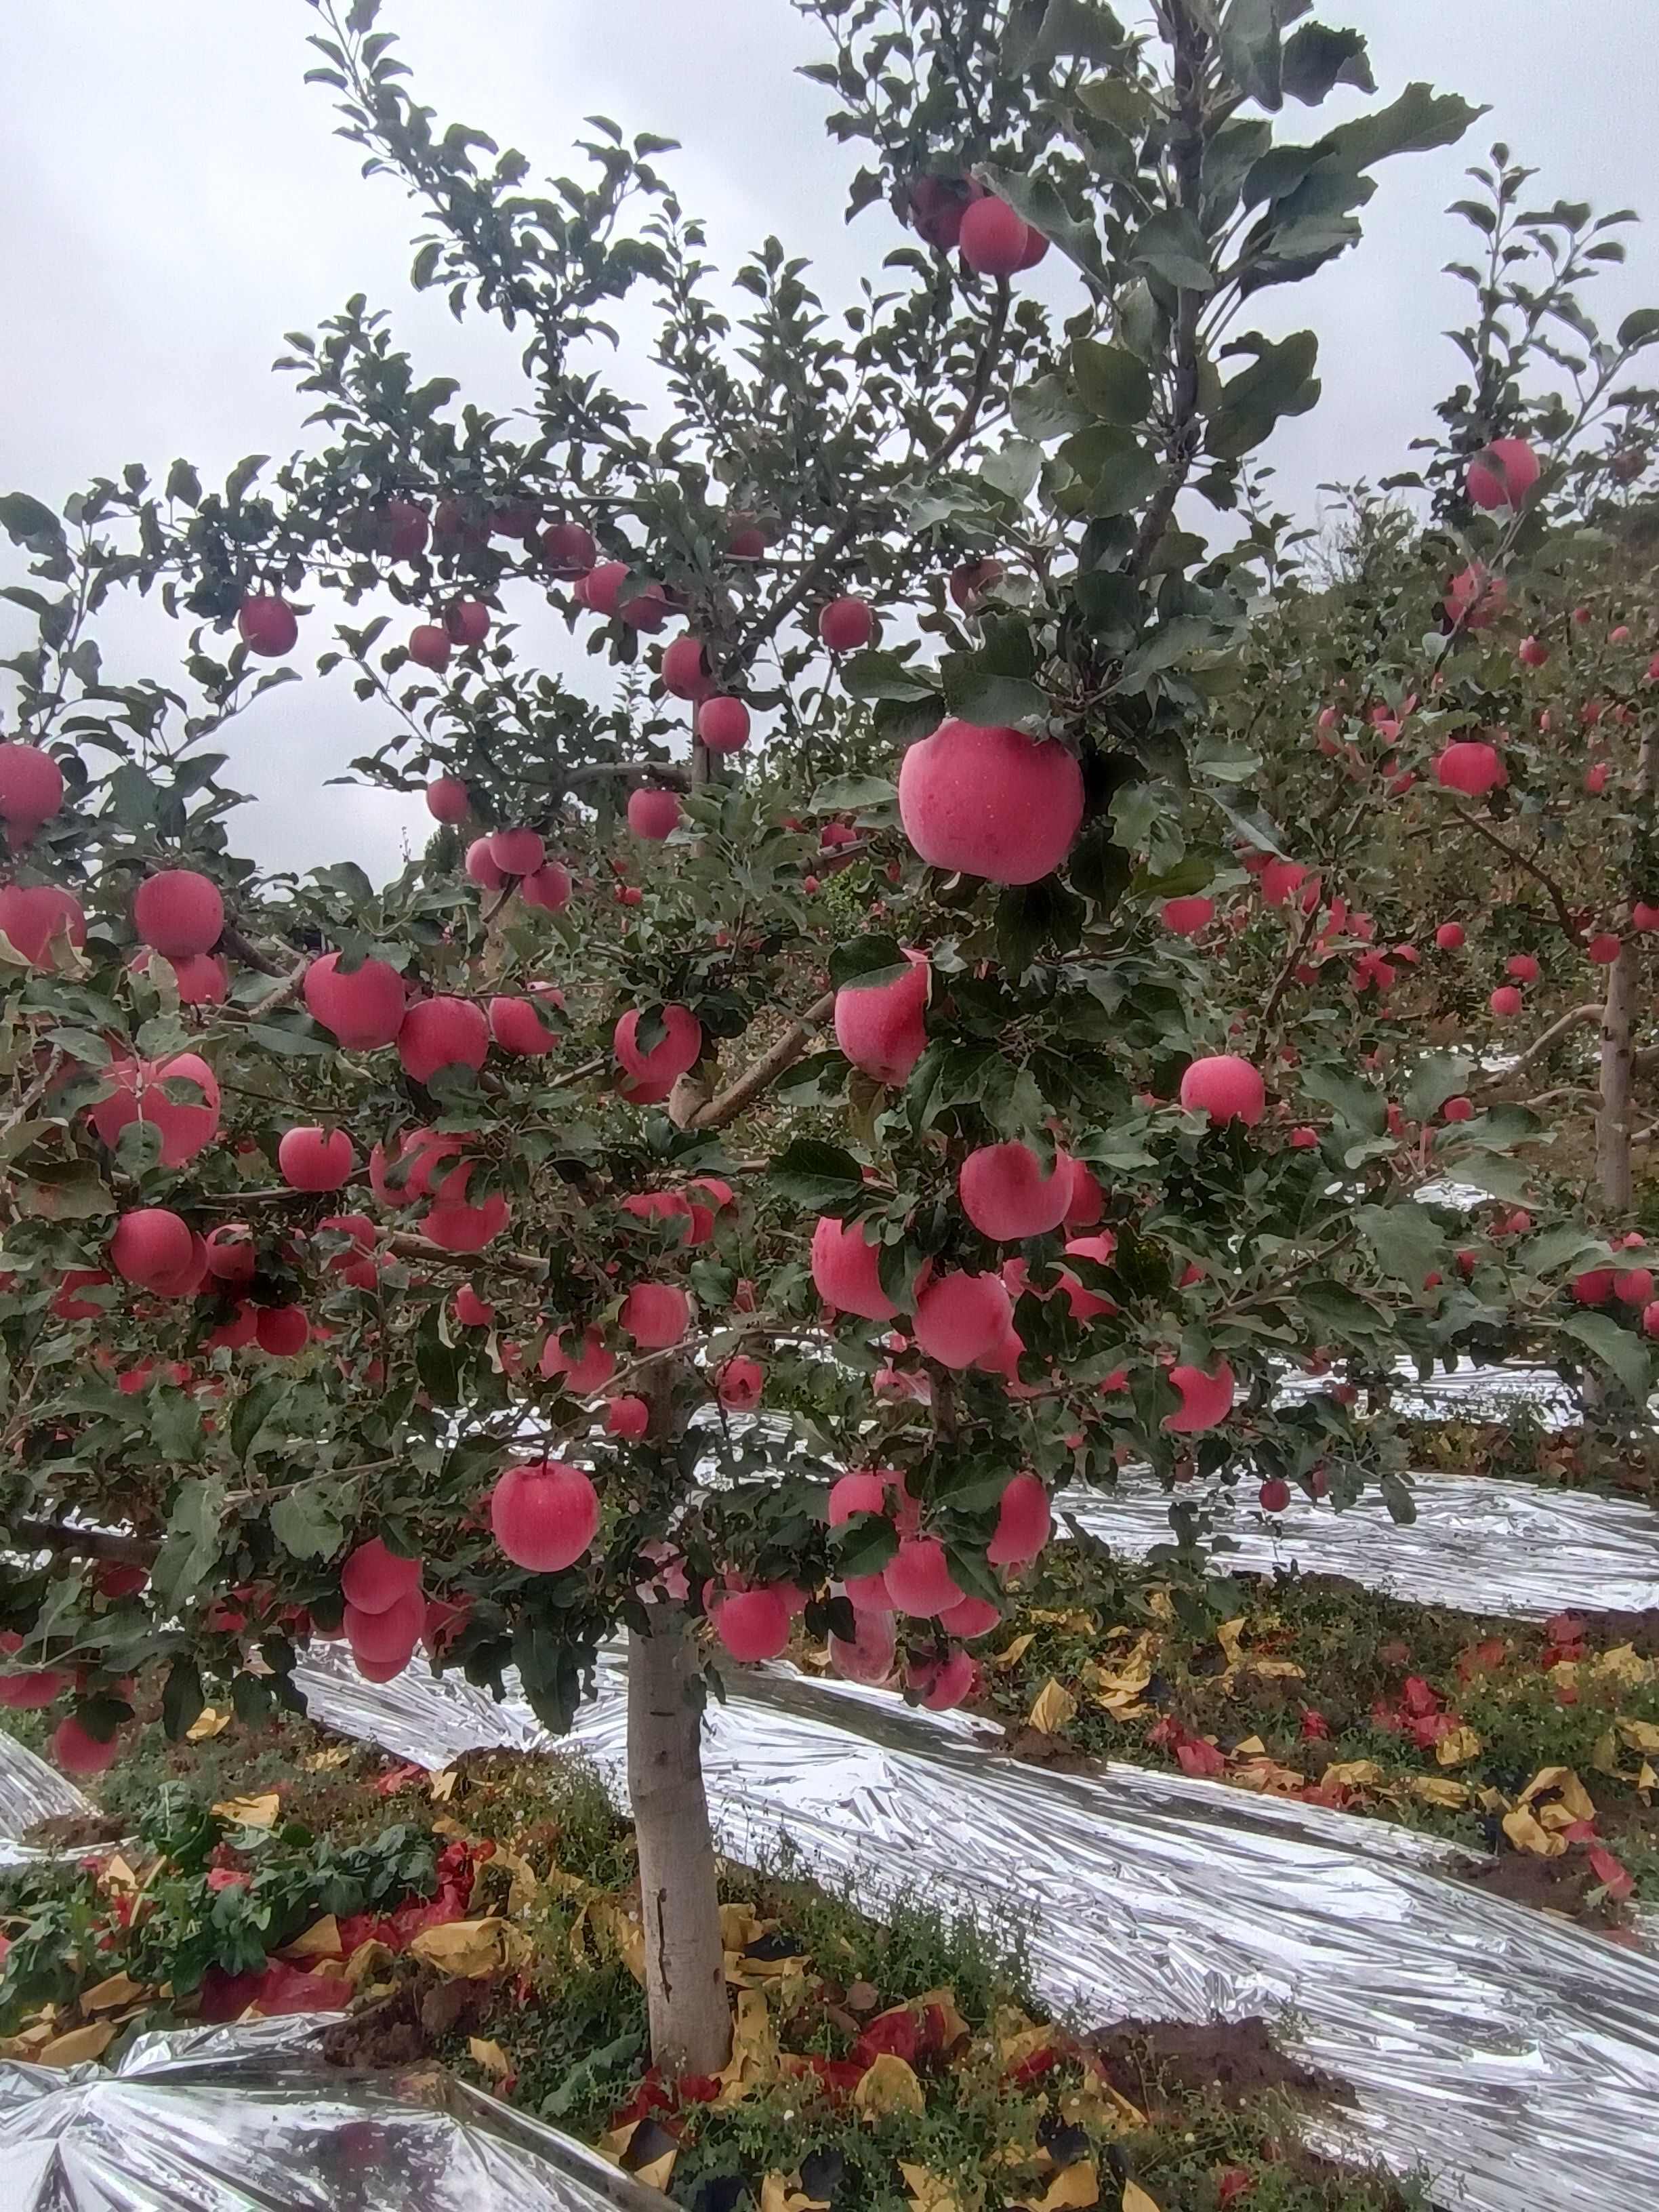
pixel 403 1262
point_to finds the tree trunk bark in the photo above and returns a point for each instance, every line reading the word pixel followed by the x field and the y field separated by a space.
pixel 684 1958
pixel 1613 1117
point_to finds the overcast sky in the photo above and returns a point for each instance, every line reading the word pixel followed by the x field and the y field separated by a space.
pixel 174 201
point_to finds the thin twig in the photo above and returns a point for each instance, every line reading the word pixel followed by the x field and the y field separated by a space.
pixel 1557 897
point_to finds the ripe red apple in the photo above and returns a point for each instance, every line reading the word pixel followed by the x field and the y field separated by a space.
pixel 1226 1088
pixel 442 1033
pixel 1458 1109
pixel 1305 1139
pixel 283 1331
pixel 685 671
pixel 972 581
pixel 518 852
pixel 648 609
pixel 1650 1320
pixel 456 1222
pixel 867 1655
pixel 588 1372
pixel 1644 916
pixel 467 622
pixel 723 724
pixel 1279 879
pixel 421 1154
pixel 655 1314
pixel 544 1515
pixel 650 1076
pixel 846 625
pixel 1532 653
pixel 1505 1001
pixel 363 1007
pixel 1449 936
pixel 1188 917
pixel 356 1265
pixel 1008 1194
pixel 941 1685
pixel 78 1752
pixel 1521 967
pixel 740 1383
pixel 547 887
pixel 386 1639
pixel 428 647
pixel 1595 1286
pixel 936 205
pixel 312 1158
pixel 401 530
pixel 627 1418
pixel 846 1270
pixel 961 1317
pixel 201 979
pixel 447 798
pixel 268 625
pixel 1470 767
pixel 470 1311
pixel 752 1624
pixel 1475 600
pixel 1595 777
pixel 1274 1495
pixel 374 1579
pixel 523 1026
pixel 990 802
pixel 188 1125
pixel 35 915
pixel 863 1493
pixel 918 1578
pixel 1634 1286
pixel 66 1303
pixel 881 1026
pixel 150 1244
pixel 993 239
pixel 31 789
pixel 479 866
pixel 569 550
pixel 972 1618
pixel 1205 1398
pixel 1503 474
pixel 653 814
pixel 1603 948
pixel 1024 1523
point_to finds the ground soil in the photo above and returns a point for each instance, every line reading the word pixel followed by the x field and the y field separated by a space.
pixel 1146 2060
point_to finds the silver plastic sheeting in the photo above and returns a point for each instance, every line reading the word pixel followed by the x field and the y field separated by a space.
pixel 30 1790
pixel 1513 2057
pixel 249 2119
pixel 1478 1543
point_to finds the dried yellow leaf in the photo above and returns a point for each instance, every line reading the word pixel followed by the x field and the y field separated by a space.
pixel 1571 1801
pixel 324 1762
pixel 1267 1776
pixel 80 2045
pixel 618 1934
pixel 1135 2198
pixel 1356 1774
pixel 210 1722
pixel 754 2060
pixel 490 2056
pixel 888 2086
pixel 442 1786
pixel 320 1940
pixel 1054 1708
pixel 1640 1735
pixel 258 1812
pixel 779 2193
pixel 1624 1665
pixel 111 1994
pixel 1525 1833
pixel 367 1958
pixel 1252 1747
pixel 1016 1651
pixel 118 1874
pixel 1071 2189
pixel 1439 1790
pixel 468 1949
pixel 929 2191
pixel 1227 1637
pixel 1647 1779
pixel 1605 1756
pixel 1275 1670
pixel 1457 1748
pixel 943 2002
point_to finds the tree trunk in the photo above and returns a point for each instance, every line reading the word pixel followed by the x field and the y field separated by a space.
pixel 684 1958
pixel 1613 1117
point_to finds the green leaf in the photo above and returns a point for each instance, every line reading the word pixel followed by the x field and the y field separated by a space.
pixel 1359 1105
pixel 1279 381
pixel 1033 197
pixel 182 1698
pixel 306 1523
pixel 980 694
pixel 175 1426
pixel 1639 329
pixel 817 1176
pixel 1617 1350
pixel 1031 915
pixel 1111 383
pixel 190 1547
pixel 1407 1241
pixel 25 519
pixel 1173 246
pixel 1117 470
pixel 1397 1497
pixel 183 483
pixel 242 475
pixel 1249 49
pixel 869 961
pixel 863 1543
pixel 1419 121
pixel 884 676
pixel 256 1403
pixel 1316 59
pixel 1436 1076
pixel 550 1671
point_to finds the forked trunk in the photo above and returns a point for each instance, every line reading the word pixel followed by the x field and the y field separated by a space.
pixel 684 1958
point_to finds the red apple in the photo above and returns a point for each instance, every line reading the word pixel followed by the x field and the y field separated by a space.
pixel 150 1244
pixel 881 1027
pixel 993 239
pixel 990 802
pixel 1206 1399
pixel 442 1033
pixel 723 724
pixel 1470 767
pixel 653 814
pixel 268 625
pixel 1008 1194
pixel 283 1331
pixel 428 647
pixel 188 1124
pixel 918 1578
pixel 650 1076
pixel 1024 1523
pixel 363 1007
pixel 685 671
pixel 1226 1088
pixel 447 798
pixel 960 1317
pixel 31 789
pixel 846 625
pixel 1188 917
pixel 656 1315
pixel 467 622
pixel 544 1515
pixel 312 1158
pixel 34 916
pixel 569 550
pixel 627 1418
pixel 1503 474
pixel 374 1579
pixel 752 1624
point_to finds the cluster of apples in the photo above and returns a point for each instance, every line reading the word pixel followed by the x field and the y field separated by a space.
pixel 958 215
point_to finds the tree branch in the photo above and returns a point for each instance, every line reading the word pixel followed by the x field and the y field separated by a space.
pixel 1577 1019
pixel 85 1543
pixel 963 429
pixel 1556 897
pixel 248 953
pixel 727 1104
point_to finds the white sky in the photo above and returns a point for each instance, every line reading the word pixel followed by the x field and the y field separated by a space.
pixel 174 201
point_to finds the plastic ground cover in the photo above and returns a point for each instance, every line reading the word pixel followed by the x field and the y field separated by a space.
pixel 1513 2057
pixel 250 2119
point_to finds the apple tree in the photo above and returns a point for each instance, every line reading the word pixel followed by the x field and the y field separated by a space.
pixel 810 1015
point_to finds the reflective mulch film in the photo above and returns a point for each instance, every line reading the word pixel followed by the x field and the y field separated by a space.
pixel 249 2119
pixel 1515 2058
pixel 30 1790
